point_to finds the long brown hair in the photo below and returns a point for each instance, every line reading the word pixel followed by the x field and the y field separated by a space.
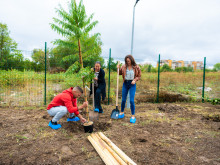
pixel 133 63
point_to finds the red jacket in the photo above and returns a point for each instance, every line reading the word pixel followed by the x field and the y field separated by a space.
pixel 65 99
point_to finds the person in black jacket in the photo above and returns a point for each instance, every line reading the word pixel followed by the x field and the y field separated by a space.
pixel 99 86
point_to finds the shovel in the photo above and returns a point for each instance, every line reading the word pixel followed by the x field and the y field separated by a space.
pixel 115 112
pixel 93 115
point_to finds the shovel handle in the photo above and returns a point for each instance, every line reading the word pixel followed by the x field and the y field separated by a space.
pixel 93 95
pixel 117 85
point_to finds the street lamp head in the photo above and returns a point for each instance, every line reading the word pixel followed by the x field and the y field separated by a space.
pixel 136 2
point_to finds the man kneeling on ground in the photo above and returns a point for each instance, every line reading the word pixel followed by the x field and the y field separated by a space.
pixel 66 102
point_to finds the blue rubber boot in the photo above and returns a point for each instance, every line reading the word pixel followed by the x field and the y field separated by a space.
pixel 54 125
pixel 121 116
pixel 132 120
pixel 73 119
pixel 96 110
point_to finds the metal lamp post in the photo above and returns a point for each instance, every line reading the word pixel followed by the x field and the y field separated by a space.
pixel 132 36
pixel 132 39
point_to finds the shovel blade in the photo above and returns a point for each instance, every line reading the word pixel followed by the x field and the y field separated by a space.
pixel 115 114
pixel 93 116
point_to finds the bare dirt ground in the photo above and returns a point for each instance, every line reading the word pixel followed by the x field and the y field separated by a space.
pixel 174 133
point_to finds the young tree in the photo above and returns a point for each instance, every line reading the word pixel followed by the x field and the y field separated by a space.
pixel 74 24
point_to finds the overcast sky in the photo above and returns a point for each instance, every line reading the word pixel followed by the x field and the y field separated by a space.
pixel 177 29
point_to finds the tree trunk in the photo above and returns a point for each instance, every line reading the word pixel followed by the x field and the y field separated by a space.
pixel 80 54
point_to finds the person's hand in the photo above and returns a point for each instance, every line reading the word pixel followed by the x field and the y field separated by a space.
pixel 133 82
pixel 85 104
pixel 83 120
pixel 96 78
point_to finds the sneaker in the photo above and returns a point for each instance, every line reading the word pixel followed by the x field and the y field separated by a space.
pixel 96 110
pixel 132 120
pixel 73 119
pixel 54 125
pixel 120 116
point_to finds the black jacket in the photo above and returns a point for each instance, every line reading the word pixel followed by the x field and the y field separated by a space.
pixel 101 83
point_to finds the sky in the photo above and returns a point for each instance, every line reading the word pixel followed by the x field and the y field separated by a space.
pixel 186 30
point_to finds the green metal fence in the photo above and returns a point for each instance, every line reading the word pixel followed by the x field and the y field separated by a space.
pixel 37 88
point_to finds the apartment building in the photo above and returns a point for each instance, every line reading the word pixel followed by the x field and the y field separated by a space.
pixel 197 65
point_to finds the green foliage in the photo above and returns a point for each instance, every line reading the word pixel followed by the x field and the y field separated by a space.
pixel 10 57
pixel 75 26
pixel 211 70
pixel 166 68
pixel 73 68
pixel 214 101
pixel 217 66
pixel 86 74
pixel 12 78
pixel 38 56
pixel 154 70
pixel 184 69
pixel 146 68
pixel 113 65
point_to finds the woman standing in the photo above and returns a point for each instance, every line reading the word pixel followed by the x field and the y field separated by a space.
pixel 99 86
pixel 131 73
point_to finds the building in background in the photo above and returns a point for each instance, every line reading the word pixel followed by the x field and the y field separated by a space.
pixel 196 65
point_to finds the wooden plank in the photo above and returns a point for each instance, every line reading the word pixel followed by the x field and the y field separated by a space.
pixel 105 159
pixel 104 150
pixel 117 150
pixel 115 155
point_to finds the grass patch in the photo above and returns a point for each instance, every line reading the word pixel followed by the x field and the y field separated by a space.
pixel 213 134
pixel 182 119
pixel 20 137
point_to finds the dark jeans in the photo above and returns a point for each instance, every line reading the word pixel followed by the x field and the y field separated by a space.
pixel 132 89
pixel 97 93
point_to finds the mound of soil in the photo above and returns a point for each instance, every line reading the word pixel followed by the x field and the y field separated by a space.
pixel 214 117
pixel 169 108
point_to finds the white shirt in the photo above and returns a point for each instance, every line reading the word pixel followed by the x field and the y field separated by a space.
pixel 129 74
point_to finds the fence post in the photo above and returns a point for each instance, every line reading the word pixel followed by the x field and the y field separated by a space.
pixel 109 68
pixel 203 88
pixel 45 79
pixel 158 80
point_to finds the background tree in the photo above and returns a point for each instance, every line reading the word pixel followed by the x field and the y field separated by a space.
pixel 217 66
pixel 10 57
pixel 166 68
pixel 75 26
pixel 113 65
pixel 38 56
